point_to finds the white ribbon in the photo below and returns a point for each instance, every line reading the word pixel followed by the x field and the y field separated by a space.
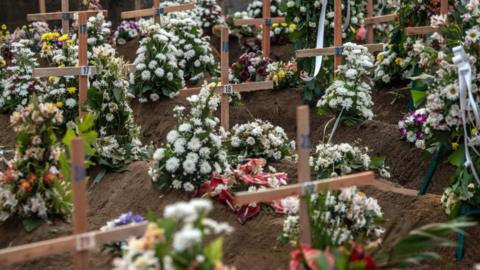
pixel 346 23
pixel 468 106
pixel 320 36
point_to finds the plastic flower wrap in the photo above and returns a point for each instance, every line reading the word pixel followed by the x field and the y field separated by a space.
pixel 31 186
pixel 259 139
pixel 283 75
pixel 249 176
pixel 196 58
pixel 337 217
pixel 182 238
pixel 332 160
pixel 20 85
pixel 349 96
pixel 193 150
pixel 413 128
pixel 157 65
pixel 127 31
pixel 118 143
pixel 123 220
pixel 249 67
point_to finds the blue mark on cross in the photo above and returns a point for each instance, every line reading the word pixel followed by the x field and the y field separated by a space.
pixel 160 11
pixel 305 143
pixel 79 173
pixel 225 46
pixel 83 28
pixel 268 21
pixel 66 16
pixel 338 50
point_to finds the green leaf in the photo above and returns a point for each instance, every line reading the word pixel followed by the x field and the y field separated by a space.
pixel 69 135
pixel 457 157
pixel 31 224
pixel 214 251
pixel 99 176
pixel 377 162
pixel 418 97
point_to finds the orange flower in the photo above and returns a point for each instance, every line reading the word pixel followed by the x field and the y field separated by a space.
pixel 31 177
pixel 25 186
pixel 49 178
pixel 8 176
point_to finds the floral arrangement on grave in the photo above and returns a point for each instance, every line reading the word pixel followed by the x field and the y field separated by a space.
pixel 19 86
pixel 61 51
pixel 157 65
pixel 337 217
pixel 251 177
pixel 30 35
pixel 90 5
pixel 412 250
pixel 349 96
pixel 128 218
pixel 32 186
pixel 258 139
pixel 279 33
pixel 4 33
pixel 413 128
pixel 250 67
pixel 178 240
pixel 193 150
pixel 283 75
pixel 197 58
pixel 210 14
pixel 332 160
pixel 98 31
pixel 127 31
pixel 117 144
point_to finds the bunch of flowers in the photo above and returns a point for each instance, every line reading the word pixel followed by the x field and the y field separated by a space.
pixel 413 128
pixel 279 33
pixel 283 75
pixel 118 142
pixel 239 31
pixel 332 160
pixel 20 85
pixel 255 9
pixel 337 217
pixel 98 31
pixel 122 220
pixel 249 67
pixel 210 14
pixel 249 176
pixel 157 65
pixel 259 139
pixel 127 31
pixel 32 187
pixel 194 149
pixel 178 240
pixel 196 54
pixel 31 35
pixel 4 33
pixel 52 41
pixel 349 96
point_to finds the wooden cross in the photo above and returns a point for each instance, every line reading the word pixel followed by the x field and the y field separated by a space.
pixel 65 15
pixel 83 70
pixel 267 22
pixel 371 20
pixel 156 11
pixel 304 186
pixel 42 6
pixel 424 30
pixel 81 242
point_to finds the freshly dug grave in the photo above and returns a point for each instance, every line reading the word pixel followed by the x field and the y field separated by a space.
pixel 252 246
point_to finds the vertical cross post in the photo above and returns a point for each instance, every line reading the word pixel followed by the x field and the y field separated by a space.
pixel 42 6
pixel 156 6
pixel 79 199
pixel 337 32
pixel 66 16
pixel 444 7
pixel 370 31
pixel 138 4
pixel 303 166
pixel 224 63
pixel 83 61
pixel 266 28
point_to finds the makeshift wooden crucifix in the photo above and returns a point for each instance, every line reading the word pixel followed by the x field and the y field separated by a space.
pixel 266 22
pixel 304 186
pixel 81 242
pixel 65 15
pixel 372 20
pixel 83 70
pixel 156 11
pixel 424 30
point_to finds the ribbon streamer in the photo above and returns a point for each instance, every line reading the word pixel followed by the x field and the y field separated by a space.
pixel 320 37
pixel 346 23
pixel 468 106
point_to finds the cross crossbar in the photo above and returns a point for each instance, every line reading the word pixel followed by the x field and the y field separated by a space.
pixel 335 50
pixel 155 11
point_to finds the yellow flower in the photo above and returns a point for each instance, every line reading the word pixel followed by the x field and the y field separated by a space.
pixel 52 79
pixel 284 24
pixel 390 46
pixel 281 74
pixel 275 25
pixel 2 62
pixel 471 186
pixel 4 27
pixel 275 78
pixel 72 89
pixel 361 194
pixel 292 27
pixel 474 131
pixel 50 108
pixel 69 43
pixel 59 104
pixel 63 37
pixel 380 57
pixel 454 146
pixel 399 61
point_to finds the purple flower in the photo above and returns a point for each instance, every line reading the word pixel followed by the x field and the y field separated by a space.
pixel 128 218
pixel 420 118
pixel 420 135
pixel 403 132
